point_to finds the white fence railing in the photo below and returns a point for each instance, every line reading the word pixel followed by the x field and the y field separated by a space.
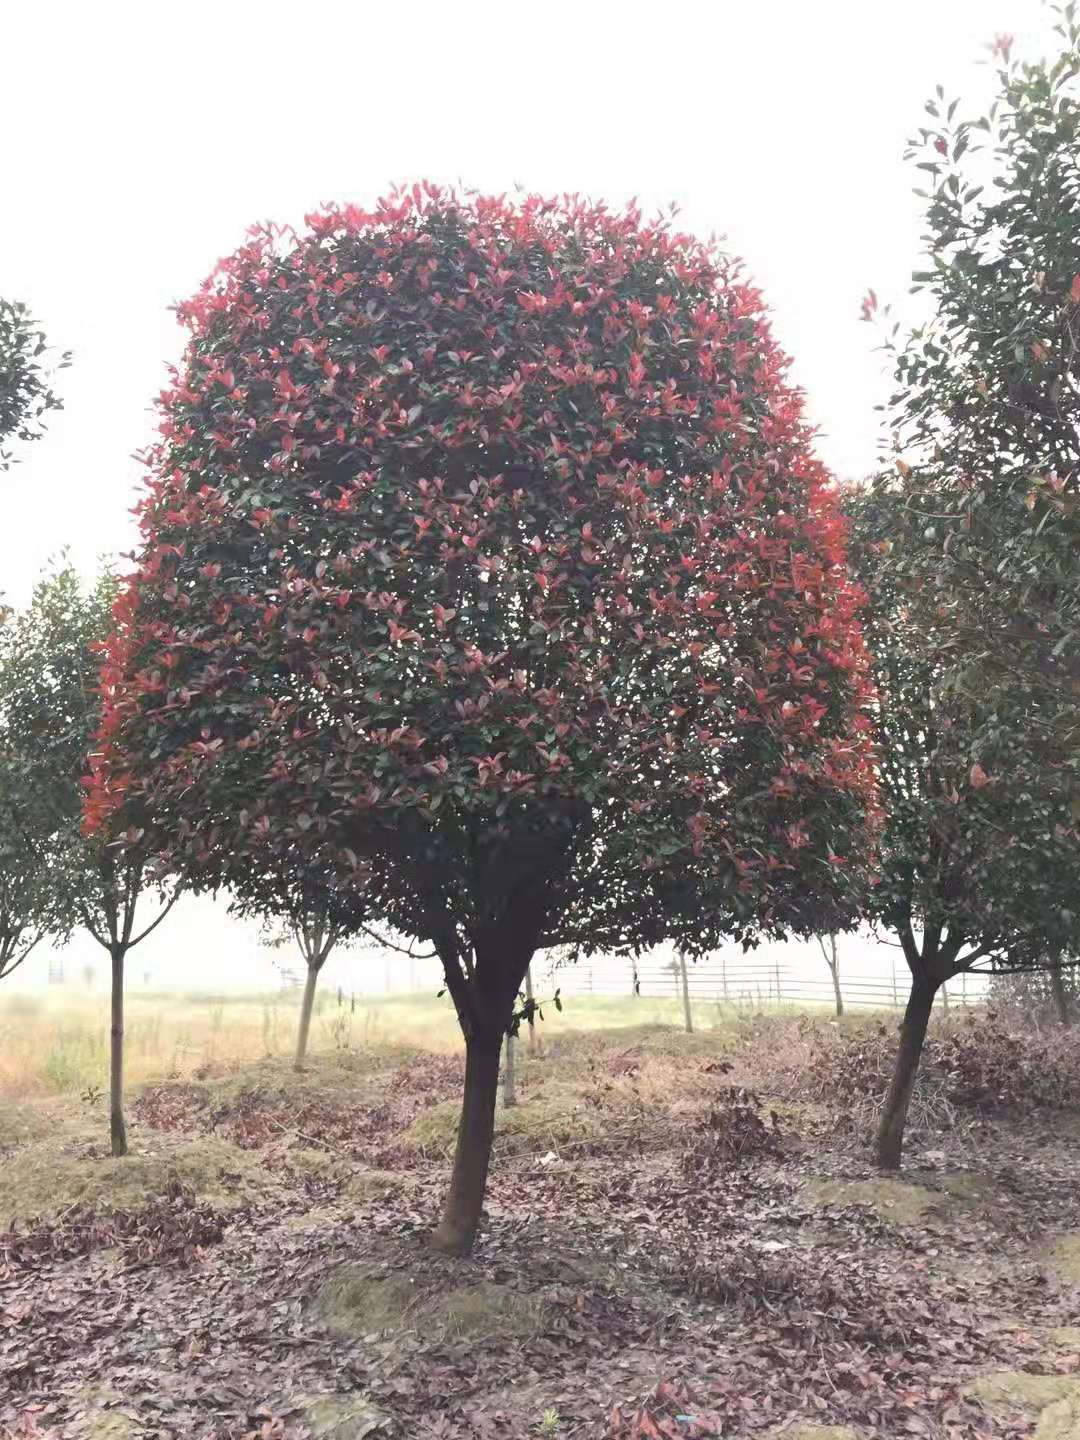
pixel 749 982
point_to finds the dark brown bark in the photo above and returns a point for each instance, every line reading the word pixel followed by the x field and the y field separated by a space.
pixel 890 1139
pixel 464 1202
pixel 1061 998
pixel 117 1128
pixel 306 1007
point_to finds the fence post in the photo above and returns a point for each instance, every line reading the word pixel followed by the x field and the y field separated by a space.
pixel 778 995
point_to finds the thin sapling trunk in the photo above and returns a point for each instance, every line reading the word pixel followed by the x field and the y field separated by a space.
pixel 117 1128
pixel 687 1015
pixel 307 1005
pixel 1061 998
pixel 510 1073
pixel 534 1039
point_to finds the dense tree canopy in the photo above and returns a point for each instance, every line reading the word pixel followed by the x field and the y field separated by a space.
pixel 986 412
pixel 49 711
pixel 26 393
pixel 980 847
pixel 31 860
pixel 485 559
pixel 970 551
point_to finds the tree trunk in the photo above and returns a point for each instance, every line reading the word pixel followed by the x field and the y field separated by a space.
pixel 464 1202
pixel 117 1128
pixel 509 1074
pixel 834 971
pixel 686 994
pixel 890 1139
pixel 534 1039
pixel 306 1006
pixel 1061 999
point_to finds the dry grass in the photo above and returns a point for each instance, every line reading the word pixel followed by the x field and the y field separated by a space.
pixel 70 1167
pixel 56 1042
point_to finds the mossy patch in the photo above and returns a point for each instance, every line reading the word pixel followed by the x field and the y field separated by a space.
pixel 1067 1336
pixel 21 1124
pixel 1061 1420
pixel 103 1420
pixel 1007 1393
pixel 893 1200
pixel 341 1417
pixel 372 1184
pixel 813 1432
pixel 39 1180
pixel 359 1302
pixel 1064 1259
pixel 967 1185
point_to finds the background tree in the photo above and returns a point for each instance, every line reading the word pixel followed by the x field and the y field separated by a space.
pixel 30 862
pixel 26 393
pixel 980 849
pixel 49 710
pixel 972 550
pixel 485 560
pixel 1042 994
pixel 986 413
pixel 827 944
pixel 316 911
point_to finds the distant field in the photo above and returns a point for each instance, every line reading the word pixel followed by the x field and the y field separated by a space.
pixel 57 1042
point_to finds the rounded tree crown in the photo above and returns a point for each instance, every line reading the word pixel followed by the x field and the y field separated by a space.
pixel 484 542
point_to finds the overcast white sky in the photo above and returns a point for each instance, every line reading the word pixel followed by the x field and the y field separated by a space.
pixel 141 139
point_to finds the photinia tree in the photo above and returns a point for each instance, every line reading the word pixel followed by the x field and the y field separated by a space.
pixel 26 393
pixel 49 712
pixel 985 415
pixel 486 562
pixel 970 547
pixel 980 846
pixel 30 860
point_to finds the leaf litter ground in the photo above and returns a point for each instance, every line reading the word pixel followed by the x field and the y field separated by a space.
pixel 661 1258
